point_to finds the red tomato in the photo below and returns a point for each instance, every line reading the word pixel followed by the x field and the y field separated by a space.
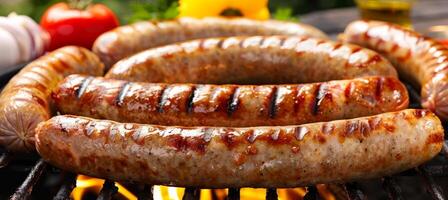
pixel 69 26
pixel 445 42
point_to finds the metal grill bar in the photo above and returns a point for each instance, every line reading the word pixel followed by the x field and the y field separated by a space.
pixel 432 187
pixel 392 188
pixel 311 194
pixel 444 151
pixel 108 190
pixel 354 192
pixel 432 170
pixel 234 194
pixel 67 187
pixel 146 193
pixel 4 159
pixel 24 191
pixel 192 194
pixel 271 194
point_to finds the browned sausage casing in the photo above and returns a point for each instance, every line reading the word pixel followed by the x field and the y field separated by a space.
pixel 283 156
pixel 130 39
pixel 252 60
pixel 228 105
pixel 24 102
pixel 418 59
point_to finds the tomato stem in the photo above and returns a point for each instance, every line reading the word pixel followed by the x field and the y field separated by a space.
pixel 79 4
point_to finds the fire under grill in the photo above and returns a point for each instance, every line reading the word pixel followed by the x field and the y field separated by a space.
pixel 29 177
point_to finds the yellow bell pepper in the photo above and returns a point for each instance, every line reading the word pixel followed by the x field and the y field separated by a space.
pixel 255 9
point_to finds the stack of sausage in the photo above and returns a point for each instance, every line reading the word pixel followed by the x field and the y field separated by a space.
pixel 307 110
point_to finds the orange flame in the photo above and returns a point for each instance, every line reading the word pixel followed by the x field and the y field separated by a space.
pixel 86 184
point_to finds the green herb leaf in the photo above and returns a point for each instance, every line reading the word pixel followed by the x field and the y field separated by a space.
pixel 284 13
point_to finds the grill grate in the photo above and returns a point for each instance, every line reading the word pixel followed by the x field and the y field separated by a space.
pixel 351 191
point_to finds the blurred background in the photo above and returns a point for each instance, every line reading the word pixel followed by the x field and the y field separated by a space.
pixel 133 10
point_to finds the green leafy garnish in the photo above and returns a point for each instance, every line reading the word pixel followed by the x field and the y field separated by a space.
pixel 153 9
pixel 283 13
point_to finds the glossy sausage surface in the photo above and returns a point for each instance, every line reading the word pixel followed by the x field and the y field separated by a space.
pixel 419 59
pixel 24 102
pixel 252 60
pixel 130 39
pixel 284 156
pixel 228 105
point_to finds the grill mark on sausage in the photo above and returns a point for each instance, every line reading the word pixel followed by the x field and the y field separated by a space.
pixel 420 113
pixel 220 43
pixel 233 102
pixel 337 46
pixel 201 44
pixel 348 90
pixel 38 73
pixel 83 55
pixel 373 59
pixel 122 93
pixel 162 99
pixel 300 132
pixel 82 89
pixel 320 42
pixel 241 43
pixel 356 49
pixel 282 41
pixel 190 103
pixel 379 88
pixel 60 65
pixel 273 102
pixel 261 42
pixel 34 99
pixel 319 96
pixel 394 48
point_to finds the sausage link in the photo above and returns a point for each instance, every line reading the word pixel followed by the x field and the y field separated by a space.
pixel 420 60
pixel 282 156
pixel 130 39
pixel 252 60
pixel 24 102
pixel 228 105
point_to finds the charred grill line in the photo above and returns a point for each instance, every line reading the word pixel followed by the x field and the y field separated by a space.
pixel 83 86
pixel 24 191
pixel 162 99
pixel 124 89
pixel 273 102
pixel 190 103
pixel 319 96
pixel 233 102
pixel 282 41
pixel 392 188
pixel 379 87
pixel 108 190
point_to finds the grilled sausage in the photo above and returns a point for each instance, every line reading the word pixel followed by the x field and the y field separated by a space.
pixel 130 39
pixel 252 60
pixel 228 105
pixel 24 102
pixel 282 156
pixel 418 59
